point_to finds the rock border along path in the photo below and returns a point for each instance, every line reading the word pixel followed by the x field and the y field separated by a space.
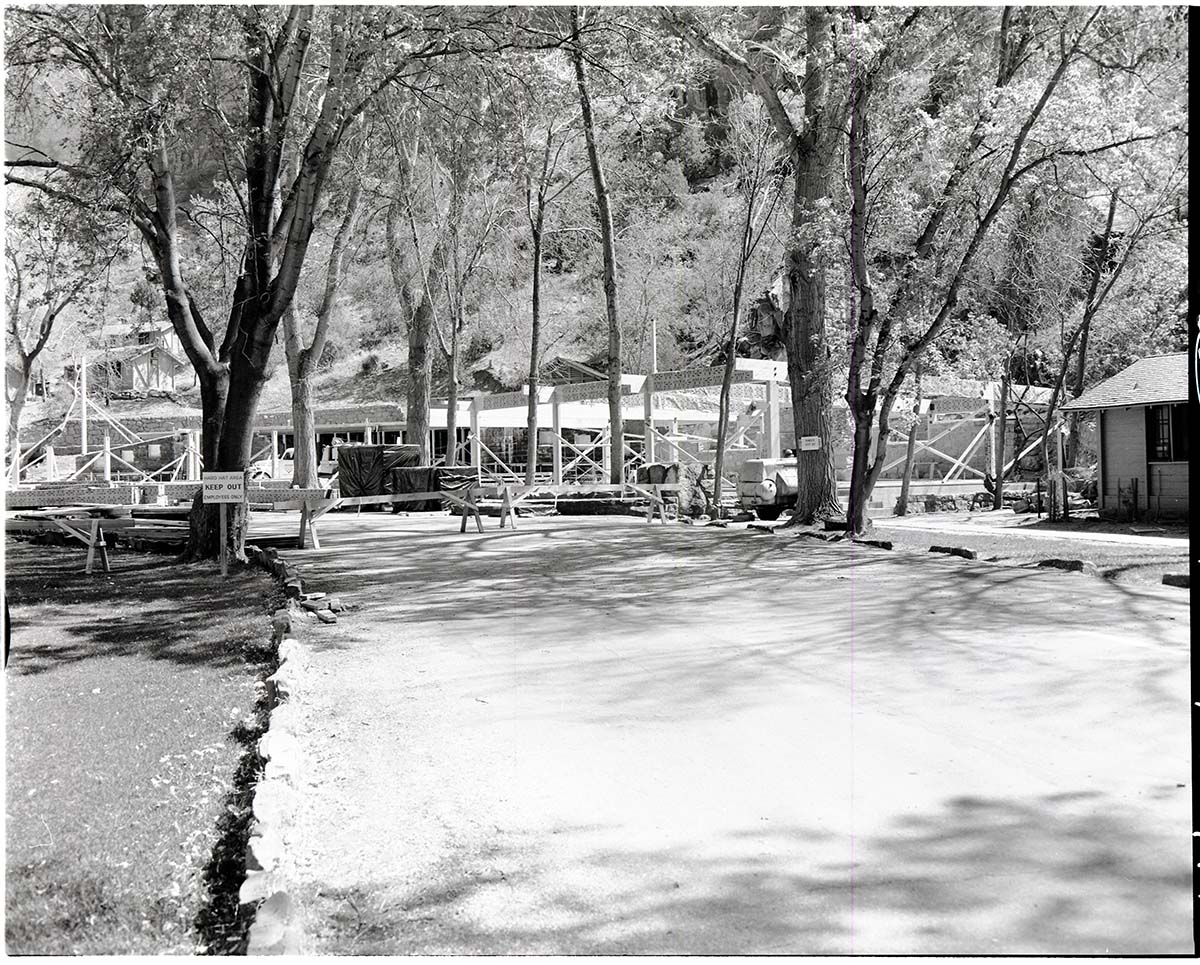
pixel 277 928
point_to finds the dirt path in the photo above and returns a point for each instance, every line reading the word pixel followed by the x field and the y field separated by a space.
pixel 590 736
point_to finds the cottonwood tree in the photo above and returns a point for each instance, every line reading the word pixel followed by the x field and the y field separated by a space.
pixel 154 91
pixel 1146 212
pixel 759 186
pixel 304 351
pixel 446 202
pixel 56 257
pixel 1034 291
pixel 799 89
pixel 604 217
pixel 417 266
pixel 546 135
pixel 477 209
pixel 1016 98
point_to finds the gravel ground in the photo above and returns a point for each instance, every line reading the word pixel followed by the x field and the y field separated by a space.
pixel 130 706
pixel 594 736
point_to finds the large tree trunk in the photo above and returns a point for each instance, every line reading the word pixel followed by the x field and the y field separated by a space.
pixel 808 356
pixel 304 434
pixel 203 529
pixel 616 425
pixel 860 468
pixel 420 370
pixel 16 389
pixel 535 331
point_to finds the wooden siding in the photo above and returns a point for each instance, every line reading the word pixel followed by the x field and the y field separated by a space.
pixel 1124 455
pixel 1169 488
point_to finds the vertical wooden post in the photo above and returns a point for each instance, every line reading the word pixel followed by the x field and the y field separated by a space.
pixel 303 536
pixel 771 421
pixel 91 553
pixel 103 550
pixel 83 404
pixel 107 464
pixel 224 539
pixel 274 453
pixel 606 446
pixel 648 417
pixel 366 435
pixel 505 508
pixel 51 466
pixel 476 446
pixel 556 445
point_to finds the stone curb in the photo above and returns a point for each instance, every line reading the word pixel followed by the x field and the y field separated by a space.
pixel 1071 566
pixel 277 927
pixel 966 554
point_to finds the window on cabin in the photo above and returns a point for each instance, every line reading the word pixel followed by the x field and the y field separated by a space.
pixel 1179 432
pixel 143 338
pixel 1167 433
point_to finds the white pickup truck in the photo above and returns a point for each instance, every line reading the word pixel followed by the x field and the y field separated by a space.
pixel 285 466
pixel 768 486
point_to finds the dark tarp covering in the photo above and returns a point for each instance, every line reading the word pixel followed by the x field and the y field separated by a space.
pixel 456 480
pixel 364 470
pixel 415 479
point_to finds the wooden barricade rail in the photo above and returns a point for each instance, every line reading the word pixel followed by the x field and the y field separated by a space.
pixel 312 510
pixel 511 495
pixel 467 499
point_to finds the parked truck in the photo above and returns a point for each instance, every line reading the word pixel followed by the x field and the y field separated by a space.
pixel 768 486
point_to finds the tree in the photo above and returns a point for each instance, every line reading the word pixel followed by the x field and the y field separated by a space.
pixel 810 135
pixel 1041 69
pixel 1034 292
pixel 604 216
pixel 302 359
pixel 156 90
pixel 1151 213
pixel 55 257
pixel 540 159
pixel 759 185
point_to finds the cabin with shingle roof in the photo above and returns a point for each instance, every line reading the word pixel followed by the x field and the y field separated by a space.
pixel 1142 418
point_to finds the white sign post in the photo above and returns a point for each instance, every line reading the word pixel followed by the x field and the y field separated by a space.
pixel 224 488
pixel 809 443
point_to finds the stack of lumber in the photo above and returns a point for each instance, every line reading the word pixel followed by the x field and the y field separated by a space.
pixel 135 526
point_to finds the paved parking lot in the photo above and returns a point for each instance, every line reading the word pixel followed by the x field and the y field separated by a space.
pixel 596 736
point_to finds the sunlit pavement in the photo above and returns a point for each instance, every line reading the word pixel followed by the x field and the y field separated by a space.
pixel 591 735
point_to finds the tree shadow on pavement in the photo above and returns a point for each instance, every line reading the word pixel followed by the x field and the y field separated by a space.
pixel 1064 874
pixel 744 609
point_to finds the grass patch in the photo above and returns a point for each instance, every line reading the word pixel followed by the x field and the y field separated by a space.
pixel 134 707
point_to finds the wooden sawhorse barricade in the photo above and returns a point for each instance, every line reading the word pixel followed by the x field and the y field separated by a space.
pixel 92 537
pixel 511 495
pixel 312 510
